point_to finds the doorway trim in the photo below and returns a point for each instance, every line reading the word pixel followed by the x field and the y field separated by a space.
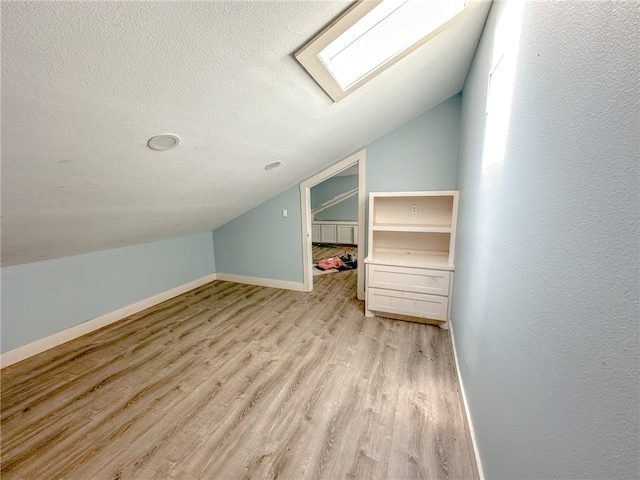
pixel 305 208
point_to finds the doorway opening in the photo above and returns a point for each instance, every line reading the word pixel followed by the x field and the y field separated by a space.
pixel 356 160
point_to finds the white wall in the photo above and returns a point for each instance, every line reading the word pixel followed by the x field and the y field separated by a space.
pixel 545 309
pixel 43 298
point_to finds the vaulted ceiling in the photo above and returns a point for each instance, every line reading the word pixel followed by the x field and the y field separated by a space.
pixel 86 84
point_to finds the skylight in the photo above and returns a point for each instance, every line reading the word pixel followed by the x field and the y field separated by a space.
pixel 386 31
pixel 370 37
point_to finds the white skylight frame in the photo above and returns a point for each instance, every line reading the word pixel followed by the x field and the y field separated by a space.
pixel 366 17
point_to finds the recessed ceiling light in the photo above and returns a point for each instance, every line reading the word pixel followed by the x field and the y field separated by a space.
pixel 272 165
pixel 165 141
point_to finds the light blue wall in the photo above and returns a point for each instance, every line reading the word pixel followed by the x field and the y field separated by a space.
pixel 261 243
pixel 545 309
pixel 347 210
pixel 420 155
pixel 43 298
pixel 331 188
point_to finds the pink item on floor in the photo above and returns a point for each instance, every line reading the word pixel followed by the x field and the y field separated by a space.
pixel 329 263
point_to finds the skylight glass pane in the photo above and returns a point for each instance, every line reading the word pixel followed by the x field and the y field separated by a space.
pixel 386 31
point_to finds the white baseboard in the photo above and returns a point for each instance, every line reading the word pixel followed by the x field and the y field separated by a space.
pixel 466 408
pixel 21 353
pixel 262 282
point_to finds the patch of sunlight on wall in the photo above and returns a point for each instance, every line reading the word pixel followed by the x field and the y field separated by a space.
pixel 500 87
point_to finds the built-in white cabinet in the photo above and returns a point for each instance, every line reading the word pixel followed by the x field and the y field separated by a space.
pixel 328 234
pixel 411 253
pixel 334 232
pixel 345 234
pixel 315 233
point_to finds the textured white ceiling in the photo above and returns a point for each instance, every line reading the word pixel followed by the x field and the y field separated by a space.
pixel 86 84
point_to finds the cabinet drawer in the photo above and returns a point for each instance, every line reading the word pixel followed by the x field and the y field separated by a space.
pixel 407 303
pixel 408 279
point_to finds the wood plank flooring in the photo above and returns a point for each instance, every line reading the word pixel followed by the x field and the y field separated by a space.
pixel 239 381
pixel 320 252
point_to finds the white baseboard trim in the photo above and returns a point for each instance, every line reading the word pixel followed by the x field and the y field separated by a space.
pixel 472 432
pixel 21 353
pixel 262 282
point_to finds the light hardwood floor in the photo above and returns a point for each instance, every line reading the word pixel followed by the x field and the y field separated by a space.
pixel 332 251
pixel 239 381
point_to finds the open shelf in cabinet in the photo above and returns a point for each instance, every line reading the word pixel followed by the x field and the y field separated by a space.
pixel 412 228
pixel 412 210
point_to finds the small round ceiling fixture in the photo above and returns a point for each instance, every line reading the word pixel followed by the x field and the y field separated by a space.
pixel 272 165
pixel 165 141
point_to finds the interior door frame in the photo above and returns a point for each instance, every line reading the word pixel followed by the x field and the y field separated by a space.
pixel 305 200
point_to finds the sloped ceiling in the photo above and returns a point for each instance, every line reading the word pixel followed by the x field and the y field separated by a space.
pixel 86 84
